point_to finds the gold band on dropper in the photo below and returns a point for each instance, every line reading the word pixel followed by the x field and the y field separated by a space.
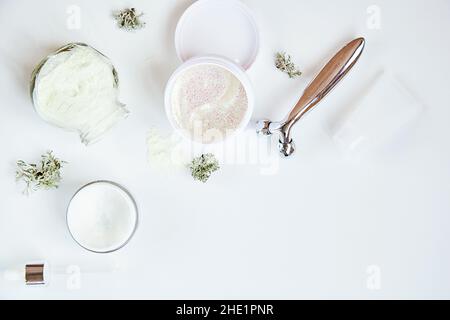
pixel 34 274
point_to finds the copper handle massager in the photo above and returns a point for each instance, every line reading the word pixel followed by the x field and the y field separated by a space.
pixel 324 82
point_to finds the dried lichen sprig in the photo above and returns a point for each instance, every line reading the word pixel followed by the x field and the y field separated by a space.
pixel 203 166
pixel 46 176
pixel 284 63
pixel 128 19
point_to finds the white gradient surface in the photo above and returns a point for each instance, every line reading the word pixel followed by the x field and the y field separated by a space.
pixel 320 227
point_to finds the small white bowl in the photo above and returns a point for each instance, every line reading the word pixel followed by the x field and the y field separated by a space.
pixel 230 66
pixel 87 196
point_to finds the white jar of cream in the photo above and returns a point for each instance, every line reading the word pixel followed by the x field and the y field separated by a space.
pixel 102 217
pixel 209 98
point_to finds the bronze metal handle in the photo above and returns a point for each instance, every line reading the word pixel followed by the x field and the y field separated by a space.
pixel 322 84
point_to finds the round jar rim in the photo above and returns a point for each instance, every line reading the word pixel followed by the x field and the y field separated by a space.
pixel 225 63
pixel 133 201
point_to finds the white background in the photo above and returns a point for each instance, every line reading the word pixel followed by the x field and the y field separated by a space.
pixel 312 230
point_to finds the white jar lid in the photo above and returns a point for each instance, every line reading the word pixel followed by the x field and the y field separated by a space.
pixel 218 27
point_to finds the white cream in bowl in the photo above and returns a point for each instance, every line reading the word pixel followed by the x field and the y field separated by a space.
pixel 102 217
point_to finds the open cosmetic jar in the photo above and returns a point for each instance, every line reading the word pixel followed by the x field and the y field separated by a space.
pixel 210 98
pixel 213 116
pixel 102 217
pixel 76 88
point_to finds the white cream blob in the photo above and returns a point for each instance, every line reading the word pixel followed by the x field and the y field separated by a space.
pixel 77 90
pixel 102 217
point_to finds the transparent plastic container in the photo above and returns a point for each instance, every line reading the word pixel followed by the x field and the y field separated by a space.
pixel 385 110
